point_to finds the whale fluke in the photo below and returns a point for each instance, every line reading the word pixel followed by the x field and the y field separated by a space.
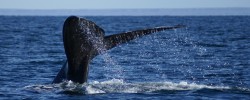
pixel 83 40
pixel 116 39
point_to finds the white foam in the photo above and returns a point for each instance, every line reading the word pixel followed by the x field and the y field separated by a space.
pixel 119 86
pixel 92 90
pixel 112 81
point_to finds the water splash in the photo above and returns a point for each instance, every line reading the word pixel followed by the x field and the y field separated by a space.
pixel 120 86
pixel 111 66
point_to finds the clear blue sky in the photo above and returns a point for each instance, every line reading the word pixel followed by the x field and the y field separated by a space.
pixel 120 4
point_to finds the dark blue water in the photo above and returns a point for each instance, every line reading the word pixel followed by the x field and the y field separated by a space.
pixel 210 59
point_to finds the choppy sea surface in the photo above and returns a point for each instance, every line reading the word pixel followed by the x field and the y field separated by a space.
pixel 210 59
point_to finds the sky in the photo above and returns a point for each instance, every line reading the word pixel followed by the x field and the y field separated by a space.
pixel 121 4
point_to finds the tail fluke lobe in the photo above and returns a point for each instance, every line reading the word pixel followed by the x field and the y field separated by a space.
pixel 116 39
pixel 62 74
pixel 81 39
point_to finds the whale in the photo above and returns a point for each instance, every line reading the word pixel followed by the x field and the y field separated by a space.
pixel 83 40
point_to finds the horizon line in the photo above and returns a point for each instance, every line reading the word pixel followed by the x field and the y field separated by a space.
pixel 128 8
pixel 128 12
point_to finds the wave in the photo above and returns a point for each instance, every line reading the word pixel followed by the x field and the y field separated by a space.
pixel 119 86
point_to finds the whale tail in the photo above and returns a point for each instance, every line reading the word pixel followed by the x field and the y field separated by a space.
pixel 83 40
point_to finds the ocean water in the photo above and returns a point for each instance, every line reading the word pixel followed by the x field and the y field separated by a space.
pixel 210 59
